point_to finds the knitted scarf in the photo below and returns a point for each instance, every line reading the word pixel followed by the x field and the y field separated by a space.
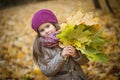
pixel 49 40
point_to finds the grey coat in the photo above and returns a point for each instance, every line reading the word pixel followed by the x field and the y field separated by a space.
pixel 57 68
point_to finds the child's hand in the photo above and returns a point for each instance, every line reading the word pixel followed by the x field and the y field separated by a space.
pixel 69 51
pixel 72 51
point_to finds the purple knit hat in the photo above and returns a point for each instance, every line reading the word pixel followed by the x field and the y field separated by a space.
pixel 43 16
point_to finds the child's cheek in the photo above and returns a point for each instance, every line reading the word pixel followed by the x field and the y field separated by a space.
pixel 42 34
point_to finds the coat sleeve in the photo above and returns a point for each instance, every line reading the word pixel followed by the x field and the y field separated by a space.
pixel 52 66
pixel 82 59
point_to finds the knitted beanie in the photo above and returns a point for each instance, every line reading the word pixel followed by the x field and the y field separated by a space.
pixel 43 16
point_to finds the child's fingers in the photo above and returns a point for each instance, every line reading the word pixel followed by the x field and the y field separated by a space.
pixel 66 55
pixel 70 49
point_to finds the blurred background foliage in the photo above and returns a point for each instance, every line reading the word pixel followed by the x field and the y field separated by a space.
pixel 8 3
pixel 16 36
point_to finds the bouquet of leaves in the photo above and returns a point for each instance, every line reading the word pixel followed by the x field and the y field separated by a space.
pixel 84 33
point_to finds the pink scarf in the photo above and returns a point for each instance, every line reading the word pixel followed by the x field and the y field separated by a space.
pixel 49 40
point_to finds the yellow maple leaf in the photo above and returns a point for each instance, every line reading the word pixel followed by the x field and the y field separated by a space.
pixel 20 55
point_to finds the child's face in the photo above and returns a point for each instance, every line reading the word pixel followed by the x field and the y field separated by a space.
pixel 46 29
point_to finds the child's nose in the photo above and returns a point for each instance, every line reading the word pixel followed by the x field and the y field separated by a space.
pixel 46 31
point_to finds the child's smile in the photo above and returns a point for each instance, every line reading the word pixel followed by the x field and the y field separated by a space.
pixel 46 29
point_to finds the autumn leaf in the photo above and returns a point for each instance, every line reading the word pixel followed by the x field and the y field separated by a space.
pixel 86 37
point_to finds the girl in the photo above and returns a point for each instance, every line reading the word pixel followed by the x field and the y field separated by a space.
pixel 47 53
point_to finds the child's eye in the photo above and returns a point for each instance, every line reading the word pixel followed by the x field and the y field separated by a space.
pixel 47 26
pixel 41 30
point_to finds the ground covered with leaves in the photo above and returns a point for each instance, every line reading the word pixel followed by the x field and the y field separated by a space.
pixel 17 36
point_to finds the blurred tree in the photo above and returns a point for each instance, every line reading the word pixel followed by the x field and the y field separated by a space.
pixel 8 3
pixel 97 4
pixel 111 6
